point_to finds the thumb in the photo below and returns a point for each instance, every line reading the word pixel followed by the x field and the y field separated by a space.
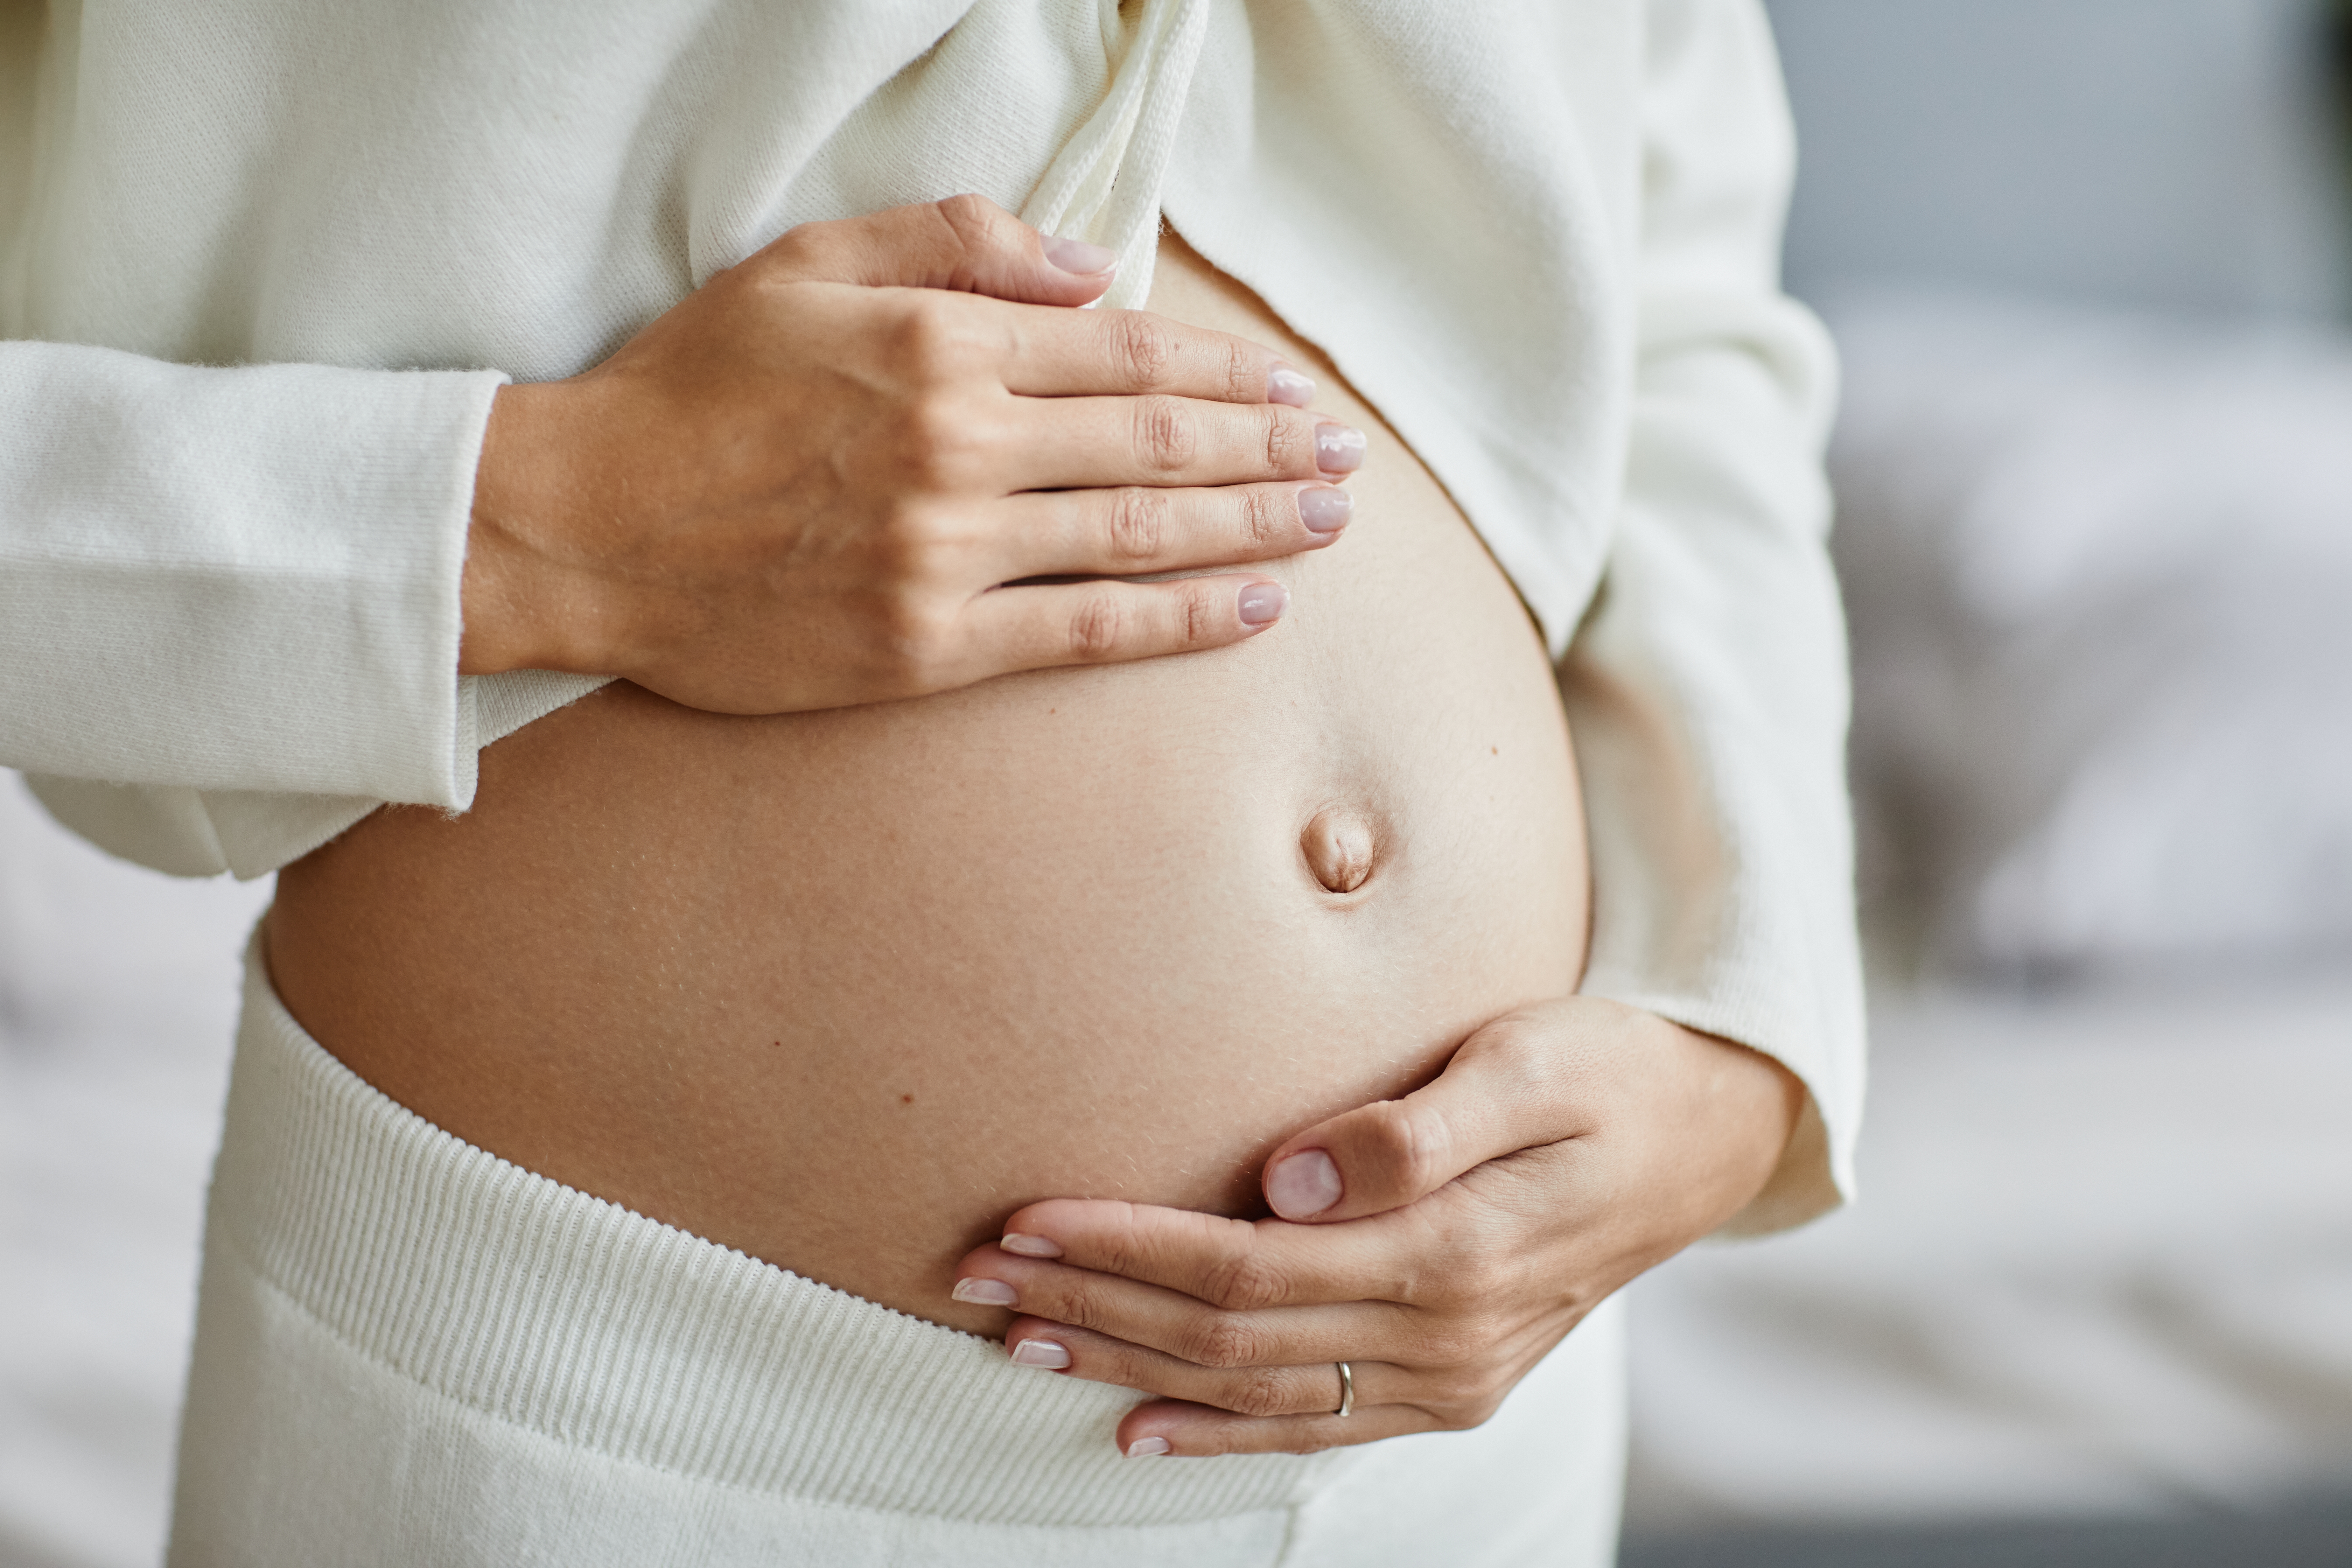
pixel 1490 1100
pixel 963 243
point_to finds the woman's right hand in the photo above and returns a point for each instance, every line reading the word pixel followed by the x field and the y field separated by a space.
pixel 823 477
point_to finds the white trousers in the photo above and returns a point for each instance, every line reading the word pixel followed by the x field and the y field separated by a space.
pixel 409 1351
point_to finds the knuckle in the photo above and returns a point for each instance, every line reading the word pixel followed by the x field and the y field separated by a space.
pixel 1245 381
pixel 1138 524
pixel 1204 615
pixel 910 645
pixel 1478 1389
pixel 1142 349
pixel 935 339
pixel 1268 520
pixel 1289 444
pixel 1465 1417
pixel 905 545
pixel 1226 1341
pixel 1246 1282
pixel 1410 1143
pixel 1165 436
pixel 972 217
pixel 941 442
pixel 1264 1391
pixel 1455 1345
pixel 1096 627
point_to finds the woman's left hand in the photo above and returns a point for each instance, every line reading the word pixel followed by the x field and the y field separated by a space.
pixel 1440 1244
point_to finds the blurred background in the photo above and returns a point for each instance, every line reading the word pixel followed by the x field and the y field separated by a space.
pixel 2089 261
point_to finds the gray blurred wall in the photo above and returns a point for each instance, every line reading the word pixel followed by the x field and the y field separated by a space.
pixel 2172 152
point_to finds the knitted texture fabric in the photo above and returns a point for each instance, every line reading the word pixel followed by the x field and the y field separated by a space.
pixel 410 1351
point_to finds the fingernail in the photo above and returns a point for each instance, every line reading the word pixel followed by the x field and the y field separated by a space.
pixel 985 1292
pixel 1325 511
pixel 1338 449
pixel 1303 1185
pixel 1283 384
pixel 1030 1246
pixel 1040 1352
pixel 1264 602
pixel 1144 1448
pixel 1077 255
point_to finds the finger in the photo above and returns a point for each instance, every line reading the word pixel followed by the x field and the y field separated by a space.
pixel 1084 443
pixel 964 243
pixel 1062 353
pixel 1502 1091
pixel 1184 1327
pixel 1047 626
pixel 1198 1431
pixel 1143 528
pixel 1240 1265
pixel 1309 1390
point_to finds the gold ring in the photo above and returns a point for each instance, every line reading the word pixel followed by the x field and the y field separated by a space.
pixel 1347 1390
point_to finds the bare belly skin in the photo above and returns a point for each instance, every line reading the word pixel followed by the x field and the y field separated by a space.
pixel 843 989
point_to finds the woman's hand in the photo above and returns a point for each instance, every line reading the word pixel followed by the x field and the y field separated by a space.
pixel 1440 1244
pixel 808 484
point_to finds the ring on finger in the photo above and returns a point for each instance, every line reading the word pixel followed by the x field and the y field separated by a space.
pixel 1347 1390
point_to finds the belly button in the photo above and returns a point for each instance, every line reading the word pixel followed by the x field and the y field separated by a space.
pixel 1339 847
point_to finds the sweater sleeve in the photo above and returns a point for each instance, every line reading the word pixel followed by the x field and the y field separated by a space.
pixel 234 579
pixel 1707 687
pixel 220 587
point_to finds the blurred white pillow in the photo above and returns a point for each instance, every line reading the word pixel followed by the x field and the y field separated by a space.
pixel 2100 573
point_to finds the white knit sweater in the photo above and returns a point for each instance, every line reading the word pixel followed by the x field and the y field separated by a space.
pixel 266 262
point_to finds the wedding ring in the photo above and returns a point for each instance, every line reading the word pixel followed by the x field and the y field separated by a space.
pixel 1347 1389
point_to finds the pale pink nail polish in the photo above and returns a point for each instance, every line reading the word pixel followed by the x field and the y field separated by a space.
pixel 1303 1185
pixel 1339 448
pixel 1029 1245
pixel 1041 1353
pixel 985 1292
pixel 1283 384
pixel 1077 255
pixel 1325 510
pixel 1262 603
pixel 1144 1448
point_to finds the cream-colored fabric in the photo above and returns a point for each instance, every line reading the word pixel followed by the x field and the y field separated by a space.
pixel 1541 238
pixel 409 1351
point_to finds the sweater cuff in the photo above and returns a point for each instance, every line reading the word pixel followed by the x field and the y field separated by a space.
pixel 242 579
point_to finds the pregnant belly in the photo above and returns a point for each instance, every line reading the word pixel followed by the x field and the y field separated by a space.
pixel 843 989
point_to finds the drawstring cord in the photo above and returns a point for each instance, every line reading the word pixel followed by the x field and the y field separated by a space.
pixel 1104 186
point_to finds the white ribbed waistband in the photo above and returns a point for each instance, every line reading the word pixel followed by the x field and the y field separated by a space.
pixel 531 1302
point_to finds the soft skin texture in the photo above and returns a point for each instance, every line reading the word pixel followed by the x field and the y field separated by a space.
pixel 845 988
pixel 1457 1235
pixel 803 486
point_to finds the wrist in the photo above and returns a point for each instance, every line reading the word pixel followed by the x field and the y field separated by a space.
pixel 1756 1106
pixel 515 584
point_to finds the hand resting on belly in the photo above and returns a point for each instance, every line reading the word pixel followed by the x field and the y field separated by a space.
pixel 844 988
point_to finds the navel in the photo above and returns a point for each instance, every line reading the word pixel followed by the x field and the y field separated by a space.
pixel 1340 847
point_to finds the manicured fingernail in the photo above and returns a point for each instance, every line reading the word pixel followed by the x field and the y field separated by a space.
pixel 1077 255
pixel 1283 384
pixel 1303 1185
pixel 1041 1353
pixel 1030 1246
pixel 985 1292
pixel 1264 602
pixel 1325 510
pixel 1144 1448
pixel 1339 448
